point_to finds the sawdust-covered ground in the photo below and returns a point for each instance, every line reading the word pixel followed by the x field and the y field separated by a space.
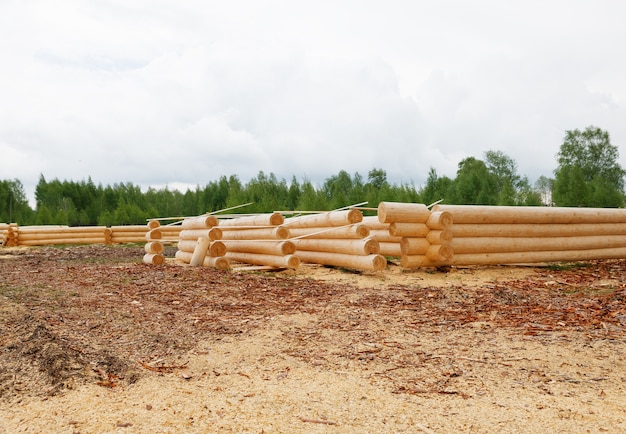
pixel 92 340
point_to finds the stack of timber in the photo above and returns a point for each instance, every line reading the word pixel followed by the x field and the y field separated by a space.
pixel 4 234
pixel 336 238
pixel 51 235
pixel 425 236
pixel 508 235
pixel 154 247
pixel 259 240
pixel 199 243
pixel 388 245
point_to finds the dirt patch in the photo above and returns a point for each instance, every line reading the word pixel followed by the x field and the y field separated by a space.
pixel 93 340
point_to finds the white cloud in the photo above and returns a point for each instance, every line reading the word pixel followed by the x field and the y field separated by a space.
pixel 180 93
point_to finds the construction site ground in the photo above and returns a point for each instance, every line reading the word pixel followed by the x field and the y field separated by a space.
pixel 93 340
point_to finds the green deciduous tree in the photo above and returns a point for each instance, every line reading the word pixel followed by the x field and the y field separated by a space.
pixel 588 173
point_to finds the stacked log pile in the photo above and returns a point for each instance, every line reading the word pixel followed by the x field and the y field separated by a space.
pixel 199 243
pixel 336 238
pixel 501 234
pixel 4 234
pixel 259 240
pixel 154 247
pixel 425 237
pixel 50 235
pixel 388 245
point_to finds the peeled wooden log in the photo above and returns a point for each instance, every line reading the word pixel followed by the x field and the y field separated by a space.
pixel 131 228
pixel 439 253
pixel 128 239
pixel 398 212
pixel 85 240
pixel 534 257
pixel 200 251
pixel 216 248
pixel 414 246
pixel 439 220
pixel 374 223
pixel 153 224
pixel 389 249
pixel 414 230
pixel 374 262
pixel 154 234
pixel 529 244
pixel 219 262
pixel 439 237
pixel 59 229
pixel 194 234
pixel 200 222
pixel 417 261
pixel 233 233
pixel 361 247
pixel 153 259
pixel 270 247
pixel 537 229
pixel 154 247
pixel 531 214
pixel 32 236
pixel 330 218
pixel 355 231
pixel 278 261
pixel 273 219
pixel 383 236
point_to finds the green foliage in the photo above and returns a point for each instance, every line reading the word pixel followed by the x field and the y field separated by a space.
pixel 588 173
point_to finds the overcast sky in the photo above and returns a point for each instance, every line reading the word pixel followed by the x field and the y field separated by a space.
pixel 170 92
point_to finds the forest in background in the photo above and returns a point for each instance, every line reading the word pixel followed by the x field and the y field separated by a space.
pixel 587 175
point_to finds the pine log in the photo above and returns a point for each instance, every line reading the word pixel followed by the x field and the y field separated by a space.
pixel 219 262
pixel 153 259
pixel 383 236
pixel 59 229
pixel 85 240
pixel 200 251
pixel 270 247
pixel 154 234
pixel 389 249
pixel 414 246
pixel 129 239
pixel 529 244
pixel 439 253
pixel 439 237
pixel 536 229
pixel 374 223
pixel 330 218
pixel 374 262
pixel 273 219
pixel 200 222
pixel 531 214
pixel 153 224
pixel 278 261
pixel 355 231
pixel 32 236
pixel 132 228
pixel 415 230
pixel 361 247
pixel 193 234
pixel 534 257
pixel 277 233
pixel 417 261
pixel 439 220
pixel 398 212
pixel 154 247
pixel 216 248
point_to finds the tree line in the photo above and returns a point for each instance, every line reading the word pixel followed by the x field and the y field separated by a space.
pixel 588 175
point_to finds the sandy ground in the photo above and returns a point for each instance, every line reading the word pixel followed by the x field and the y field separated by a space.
pixel 480 350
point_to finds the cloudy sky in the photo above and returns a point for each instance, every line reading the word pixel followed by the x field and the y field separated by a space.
pixel 169 92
